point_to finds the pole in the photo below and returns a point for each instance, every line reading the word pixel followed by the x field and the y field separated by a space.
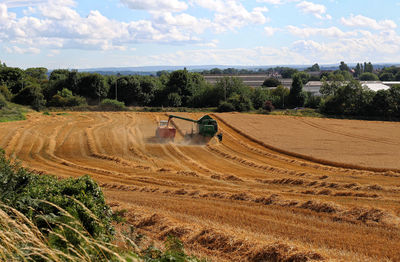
pixel 116 97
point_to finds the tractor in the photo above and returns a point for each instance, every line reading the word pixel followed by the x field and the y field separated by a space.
pixel 206 128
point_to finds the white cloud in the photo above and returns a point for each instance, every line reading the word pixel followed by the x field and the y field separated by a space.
pixel 270 31
pixel 277 2
pixel 19 50
pixel 363 21
pixel 319 11
pixel 306 32
pixel 21 3
pixel 231 14
pixel 156 5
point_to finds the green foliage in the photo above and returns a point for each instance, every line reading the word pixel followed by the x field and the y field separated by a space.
pixel 5 92
pixel 312 101
pixel 113 105
pixel 296 96
pixel 314 68
pixel 343 66
pixel 31 95
pixel 39 73
pixel 305 77
pixel 368 77
pixel 259 96
pixel 65 98
pixel 287 72
pixel 3 102
pixel 12 78
pixel 174 100
pixel 279 96
pixel 386 77
pixel 12 112
pixel 240 102
pixel 351 99
pixel 225 107
pixel 271 82
pixel 92 85
pixel 43 198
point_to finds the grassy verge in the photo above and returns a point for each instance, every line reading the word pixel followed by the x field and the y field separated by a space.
pixel 13 112
pixel 306 112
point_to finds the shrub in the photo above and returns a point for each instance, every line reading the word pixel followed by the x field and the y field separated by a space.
pixel 225 107
pixel 111 104
pixel 5 92
pixel 3 102
pixel 271 82
pixel 368 77
pixel 65 98
pixel 241 103
pixel 268 106
pixel 313 101
pixel 44 200
pixel 32 96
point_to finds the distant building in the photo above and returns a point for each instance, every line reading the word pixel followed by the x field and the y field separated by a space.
pixel 375 85
pixel 248 80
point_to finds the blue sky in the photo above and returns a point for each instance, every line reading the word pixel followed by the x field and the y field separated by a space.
pixel 119 33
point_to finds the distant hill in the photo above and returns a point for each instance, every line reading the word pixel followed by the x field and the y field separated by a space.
pixel 152 70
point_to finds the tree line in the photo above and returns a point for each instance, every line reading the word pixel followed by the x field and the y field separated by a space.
pixel 341 93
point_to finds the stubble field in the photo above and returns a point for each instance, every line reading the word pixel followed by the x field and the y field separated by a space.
pixel 275 189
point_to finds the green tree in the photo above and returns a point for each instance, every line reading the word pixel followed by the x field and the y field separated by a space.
pixel 229 85
pixel 174 100
pixel 279 96
pixel 296 96
pixel 13 78
pixel 93 85
pixel 314 68
pixel 258 97
pixel 350 99
pixel 240 102
pixel 288 72
pixel 39 73
pixel 382 104
pixel 271 82
pixel 368 67
pixel 386 77
pixel 31 95
pixel 343 66
pixel 368 77
pixel 5 92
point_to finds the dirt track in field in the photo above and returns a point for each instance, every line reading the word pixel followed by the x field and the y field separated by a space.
pixel 235 201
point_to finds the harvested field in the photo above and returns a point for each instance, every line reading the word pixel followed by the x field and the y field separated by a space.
pixel 248 198
pixel 366 144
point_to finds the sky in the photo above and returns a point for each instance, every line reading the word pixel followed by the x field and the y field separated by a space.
pixel 130 33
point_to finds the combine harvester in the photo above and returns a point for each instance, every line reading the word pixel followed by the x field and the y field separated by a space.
pixel 203 130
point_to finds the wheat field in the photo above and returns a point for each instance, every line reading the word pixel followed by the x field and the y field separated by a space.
pixel 275 189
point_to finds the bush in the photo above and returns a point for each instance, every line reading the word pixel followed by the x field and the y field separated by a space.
pixel 241 103
pixel 313 101
pixel 44 200
pixel 368 77
pixel 65 98
pixel 225 107
pixel 3 102
pixel 271 82
pixel 5 92
pixel 268 106
pixel 32 96
pixel 111 104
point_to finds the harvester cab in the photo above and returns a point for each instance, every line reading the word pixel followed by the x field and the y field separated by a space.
pixel 165 131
